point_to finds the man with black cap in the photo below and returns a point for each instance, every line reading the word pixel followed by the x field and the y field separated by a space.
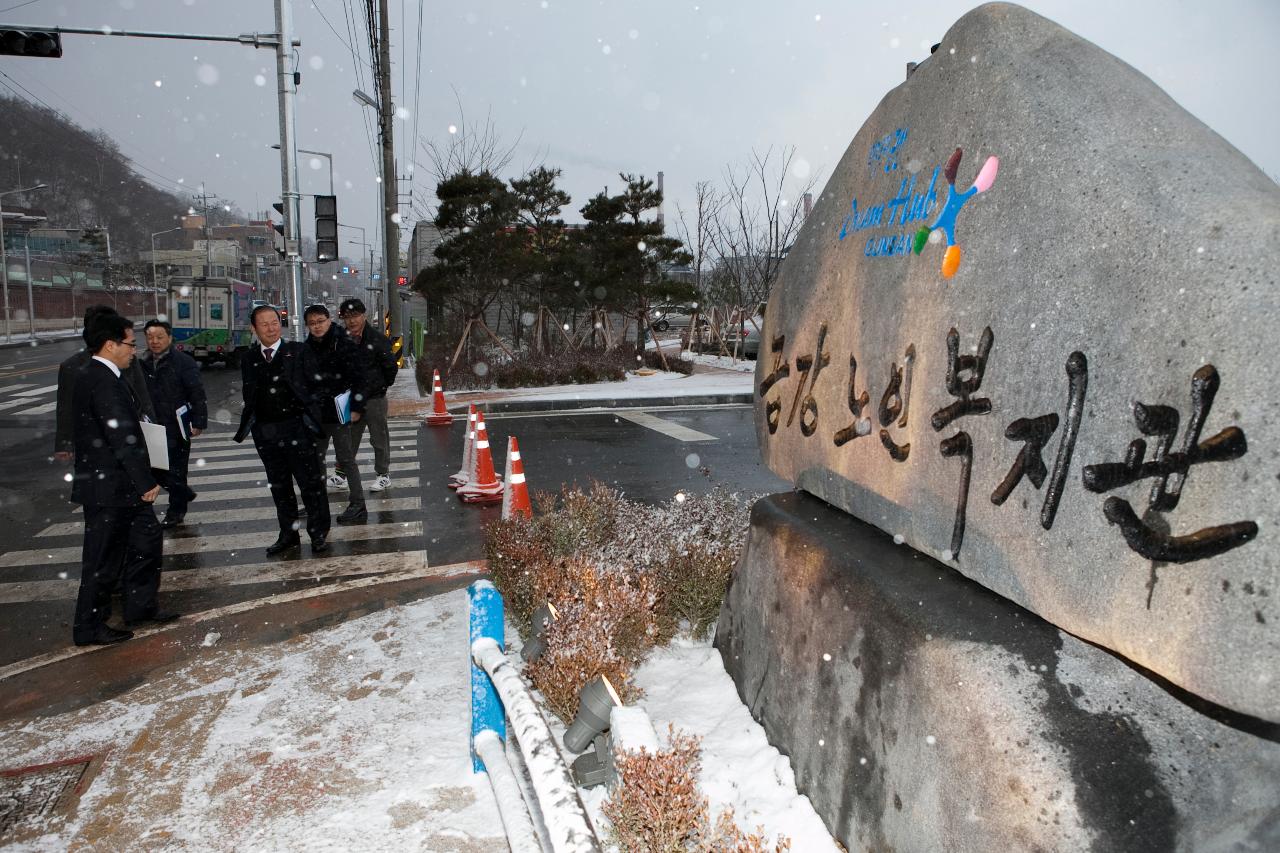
pixel 282 413
pixel 380 369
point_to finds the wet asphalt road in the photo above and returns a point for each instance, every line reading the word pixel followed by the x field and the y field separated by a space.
pixel 217 559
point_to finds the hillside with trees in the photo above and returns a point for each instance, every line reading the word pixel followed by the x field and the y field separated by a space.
pixel 91 184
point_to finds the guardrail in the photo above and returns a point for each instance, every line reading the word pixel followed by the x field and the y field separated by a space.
pixel 499 694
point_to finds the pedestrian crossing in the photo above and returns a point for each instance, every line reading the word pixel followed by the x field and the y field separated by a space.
pixel 28 399
pixel 221 545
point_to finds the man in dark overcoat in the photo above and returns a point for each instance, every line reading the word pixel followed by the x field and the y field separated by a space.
pixel 114 485
pixel 173 381
pixel 282 413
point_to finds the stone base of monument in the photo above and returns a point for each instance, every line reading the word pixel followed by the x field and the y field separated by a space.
pixel 923 712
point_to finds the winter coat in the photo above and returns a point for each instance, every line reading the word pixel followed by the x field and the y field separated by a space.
pixel 339 369
pixel 173 380
pixel 68 372
pixel 378 363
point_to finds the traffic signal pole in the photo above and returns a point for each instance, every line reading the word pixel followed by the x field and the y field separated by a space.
pixel 390 186
pixel 46 41
pixel 286 89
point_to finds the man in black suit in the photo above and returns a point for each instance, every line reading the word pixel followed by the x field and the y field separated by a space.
pixel 282 414
pixel 72 367
pixel 114 484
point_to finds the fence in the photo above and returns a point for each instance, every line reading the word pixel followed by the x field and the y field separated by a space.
pixel 60 306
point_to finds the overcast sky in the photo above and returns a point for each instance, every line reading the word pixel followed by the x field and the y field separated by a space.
pixel 593 88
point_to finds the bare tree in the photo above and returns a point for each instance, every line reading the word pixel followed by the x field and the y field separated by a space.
pixel 697 241
pixel 756 223
pixel 472 148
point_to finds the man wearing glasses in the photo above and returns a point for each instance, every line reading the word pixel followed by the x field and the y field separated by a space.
pixel 114 484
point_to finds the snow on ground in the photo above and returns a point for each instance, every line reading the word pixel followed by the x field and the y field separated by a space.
pixel 356 737
pixel 405 400
pixel 685 685
pixel 353 737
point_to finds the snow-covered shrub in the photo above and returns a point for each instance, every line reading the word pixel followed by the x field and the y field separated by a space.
pixel 606 626
pixel 624 577
pixel 658 806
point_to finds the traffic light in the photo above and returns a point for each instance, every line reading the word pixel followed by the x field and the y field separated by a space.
pixel 30 43
pixel 402 281
pixel 326 228
pixel 279 228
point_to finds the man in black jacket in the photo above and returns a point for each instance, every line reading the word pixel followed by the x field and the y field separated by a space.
pixel 340 373
pixel 71 368
pixel 282 413
pixel 173 381
pixel 380 373
pixel 113 483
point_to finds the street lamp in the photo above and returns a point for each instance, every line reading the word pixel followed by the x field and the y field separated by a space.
pixel 155 278
pixel 328 157
pixel 362 98
pixel 4 263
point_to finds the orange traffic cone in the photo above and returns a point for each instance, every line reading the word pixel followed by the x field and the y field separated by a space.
pixel 484 487
pixel 515 500
pixel 463 476
pixel 440 415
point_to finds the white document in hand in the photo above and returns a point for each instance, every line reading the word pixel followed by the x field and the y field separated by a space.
pixel 343 403
pixel 157 444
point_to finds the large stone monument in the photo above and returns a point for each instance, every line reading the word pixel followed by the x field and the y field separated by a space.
pixel 1028 335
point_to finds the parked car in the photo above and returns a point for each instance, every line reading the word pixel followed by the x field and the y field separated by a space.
pixel 666 317
pixel 746 335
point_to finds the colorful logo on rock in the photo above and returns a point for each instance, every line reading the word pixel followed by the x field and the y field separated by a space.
pixel 946 221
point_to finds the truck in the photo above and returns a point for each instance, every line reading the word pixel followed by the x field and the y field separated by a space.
pixel 210 317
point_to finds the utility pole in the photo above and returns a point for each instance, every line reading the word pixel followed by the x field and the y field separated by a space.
pixel 390 188
pixel 287 88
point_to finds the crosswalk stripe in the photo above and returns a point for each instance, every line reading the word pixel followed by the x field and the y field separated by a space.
pixel 196 481
pixel 218 577
pixel 225 542
pixel 216 516
pixel 18 387
pixel 36 392
pixel 39 410
pixel 260 492
pixel 666 427
pixel 13 404
pixel 255 462
pixel 198 450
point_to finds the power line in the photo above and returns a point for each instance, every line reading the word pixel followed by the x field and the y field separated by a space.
pixel 417 104
pixel 349 16
pixel 19 6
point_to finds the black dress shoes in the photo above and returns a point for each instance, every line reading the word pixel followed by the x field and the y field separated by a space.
pixel 354 515
pixel 171 520
pixel 104 636
pixel 284 543
pixel 160 617
pixel 319 543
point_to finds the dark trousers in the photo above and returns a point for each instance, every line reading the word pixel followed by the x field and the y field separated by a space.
pixel 174 481
pixel 121 543
pixel 344 450
pixel 375 418
pixel 288 452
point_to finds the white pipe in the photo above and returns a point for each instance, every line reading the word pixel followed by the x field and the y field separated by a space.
pixel 515 817
pixel 566 819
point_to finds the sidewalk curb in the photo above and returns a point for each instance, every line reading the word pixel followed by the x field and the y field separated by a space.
pixel 496 406
pixel 54 338
pixel 77 677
